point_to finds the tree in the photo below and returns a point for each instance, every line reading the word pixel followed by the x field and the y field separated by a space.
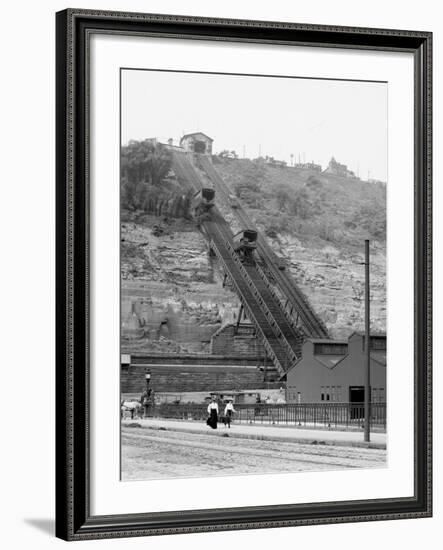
pixel 300 204
pixel 282 197
pixel 133 194
pixel 143 164
pixel 372 218
pixel 145 161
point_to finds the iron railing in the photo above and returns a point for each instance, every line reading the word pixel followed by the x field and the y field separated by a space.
pixel 325 415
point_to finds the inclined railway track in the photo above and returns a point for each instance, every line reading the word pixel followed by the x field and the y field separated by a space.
pixel 313 326
pixel 280 335
pixel 263 316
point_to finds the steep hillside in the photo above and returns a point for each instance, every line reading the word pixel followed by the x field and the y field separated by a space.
pixel 315 208
pixel 318 223
pixel 173 298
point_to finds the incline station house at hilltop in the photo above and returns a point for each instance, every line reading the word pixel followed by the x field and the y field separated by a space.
pixel 197 142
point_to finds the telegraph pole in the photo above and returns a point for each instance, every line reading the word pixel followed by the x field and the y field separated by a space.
pixel 368 346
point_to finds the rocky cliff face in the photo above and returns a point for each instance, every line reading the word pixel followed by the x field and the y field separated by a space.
pixel 333 281
pixel 173 298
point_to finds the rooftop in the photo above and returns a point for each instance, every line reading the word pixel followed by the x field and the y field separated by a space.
pixel 196 134
pixel 327 341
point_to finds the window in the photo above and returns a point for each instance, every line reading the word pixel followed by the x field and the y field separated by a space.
pixel 292 393
pixel 378 395
pixel 330 349
pixel 378 343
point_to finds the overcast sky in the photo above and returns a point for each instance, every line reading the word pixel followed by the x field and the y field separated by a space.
pixel 315 119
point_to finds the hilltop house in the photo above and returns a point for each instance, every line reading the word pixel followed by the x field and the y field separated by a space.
pixel 271 161
pixel 197 142
pixel 308 166
pixel 338 169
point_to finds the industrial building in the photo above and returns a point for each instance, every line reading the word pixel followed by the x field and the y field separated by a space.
pixel 334 370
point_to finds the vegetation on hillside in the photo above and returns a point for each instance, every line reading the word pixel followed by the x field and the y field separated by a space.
pixel 144 167
pixel 310 206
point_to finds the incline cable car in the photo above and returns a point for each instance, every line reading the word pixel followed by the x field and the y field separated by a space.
pixel 202 203
pixel 245 242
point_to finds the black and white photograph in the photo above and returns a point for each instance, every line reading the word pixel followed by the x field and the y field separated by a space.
pixel 253 324
pixel 220 232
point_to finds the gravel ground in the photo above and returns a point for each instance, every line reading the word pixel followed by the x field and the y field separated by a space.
pixel 161 454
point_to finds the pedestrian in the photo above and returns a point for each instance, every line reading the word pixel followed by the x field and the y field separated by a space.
pixel 146 401
pixel 229 411
pixel 213 413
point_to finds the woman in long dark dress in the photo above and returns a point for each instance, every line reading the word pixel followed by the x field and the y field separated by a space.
pixel 213 413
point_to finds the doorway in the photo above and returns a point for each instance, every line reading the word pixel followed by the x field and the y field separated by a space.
pixel 356 402
pixel 200 147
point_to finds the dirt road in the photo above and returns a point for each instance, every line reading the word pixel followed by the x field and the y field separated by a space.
pixel 156 454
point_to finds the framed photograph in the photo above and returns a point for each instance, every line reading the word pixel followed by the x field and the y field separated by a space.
pixel 243 274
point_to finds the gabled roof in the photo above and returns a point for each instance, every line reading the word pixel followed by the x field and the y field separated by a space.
pixel 379 357
pixel 195 134
pixel 362 333
pixel 328 361
pixel 327 341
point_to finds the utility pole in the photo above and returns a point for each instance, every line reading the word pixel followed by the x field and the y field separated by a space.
pixel 368 347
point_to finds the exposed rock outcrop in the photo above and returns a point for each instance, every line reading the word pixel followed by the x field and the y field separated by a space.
pixel 173 298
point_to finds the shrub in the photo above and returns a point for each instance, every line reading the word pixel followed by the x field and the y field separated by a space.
pixel 314 182
pixel 248 187
pixel 301 205
pixel 372 218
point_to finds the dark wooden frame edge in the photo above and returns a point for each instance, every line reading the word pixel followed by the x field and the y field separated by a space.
pixel 73 519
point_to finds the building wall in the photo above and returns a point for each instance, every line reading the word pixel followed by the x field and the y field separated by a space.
pixel 192 378
pixel 310 378
pixel 193 372
pixel 188 143
pixel 242 343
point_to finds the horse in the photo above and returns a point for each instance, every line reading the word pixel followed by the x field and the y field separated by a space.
pixel 131 407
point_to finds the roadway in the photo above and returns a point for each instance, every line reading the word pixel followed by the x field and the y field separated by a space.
pixel 156 452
